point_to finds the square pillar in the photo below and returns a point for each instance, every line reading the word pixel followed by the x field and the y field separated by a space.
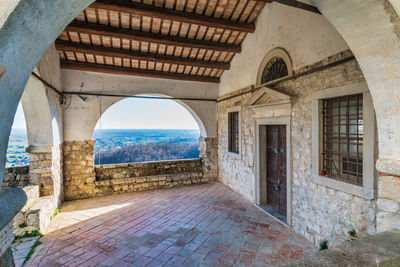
pixel 209 156
pixel 79 174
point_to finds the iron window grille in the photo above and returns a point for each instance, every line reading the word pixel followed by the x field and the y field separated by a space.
pixel 342 154
pixel 276 68
pixel 233 132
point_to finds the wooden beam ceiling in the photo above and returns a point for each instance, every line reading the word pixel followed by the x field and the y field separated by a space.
pixel 293 3
pixel 113 32
pixel 135 8
pixel 121 53
pixel 135 72
pixel 181 40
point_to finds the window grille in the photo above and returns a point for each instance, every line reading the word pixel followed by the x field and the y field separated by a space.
pixel 276 68
pixel 342 154
pixel 233 144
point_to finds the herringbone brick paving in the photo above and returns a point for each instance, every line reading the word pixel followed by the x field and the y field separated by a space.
pixel 202 225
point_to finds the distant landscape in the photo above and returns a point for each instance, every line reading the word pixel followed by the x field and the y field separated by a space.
pixel 122 146
pixel 139 145
pixel 16 155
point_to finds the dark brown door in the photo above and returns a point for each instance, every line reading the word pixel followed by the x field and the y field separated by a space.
pixel 276 167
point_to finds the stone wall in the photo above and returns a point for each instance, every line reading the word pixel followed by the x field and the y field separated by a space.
pixel 318 212
pixel 16 177
pixel 82 179
pixel 78 168
pixel 132 170
pixel 133 177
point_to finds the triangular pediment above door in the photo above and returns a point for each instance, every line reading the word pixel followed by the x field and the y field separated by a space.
pixel 268 99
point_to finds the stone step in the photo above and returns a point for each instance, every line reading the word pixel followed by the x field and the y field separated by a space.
pixel 36 217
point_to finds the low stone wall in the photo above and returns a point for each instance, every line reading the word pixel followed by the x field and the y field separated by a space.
pixel 82 179
pixel 132 170
pixel 16 177
pixel 133 177
pixel 144 183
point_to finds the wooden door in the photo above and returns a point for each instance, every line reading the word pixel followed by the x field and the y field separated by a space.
pixel 276 167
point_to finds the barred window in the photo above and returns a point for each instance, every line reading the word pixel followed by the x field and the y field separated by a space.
pixel 342 153
pixel 233 132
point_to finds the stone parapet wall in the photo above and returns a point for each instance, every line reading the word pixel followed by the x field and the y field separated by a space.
pixel 82 179
pixel 318 212
pixel 144 183
pixel 78 169
pixel 132 170
pixel 16 177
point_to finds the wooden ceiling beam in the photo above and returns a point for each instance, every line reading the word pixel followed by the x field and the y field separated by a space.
pixel 133 35
pixel 74 65
pixel 135 55
pixel 135 8
pixel 295 4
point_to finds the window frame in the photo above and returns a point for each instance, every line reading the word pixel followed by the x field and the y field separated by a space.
pixel 367 189
pixel 230 153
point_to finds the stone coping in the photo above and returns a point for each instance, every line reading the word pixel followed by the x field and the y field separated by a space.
pixel 11 202
pixel 19 169
pixel 134 164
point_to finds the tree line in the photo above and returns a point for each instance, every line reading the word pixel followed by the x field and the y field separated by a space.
pixel 148 152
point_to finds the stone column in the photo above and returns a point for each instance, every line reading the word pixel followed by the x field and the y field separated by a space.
pixel 388 203
pixel 79 174
pixel 40 169
pixel 11 202
pixel 209 156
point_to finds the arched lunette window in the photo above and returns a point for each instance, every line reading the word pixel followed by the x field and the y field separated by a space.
pixel 276 68
pixel 276 64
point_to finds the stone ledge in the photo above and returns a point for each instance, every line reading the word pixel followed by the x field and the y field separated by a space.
pixel 11 202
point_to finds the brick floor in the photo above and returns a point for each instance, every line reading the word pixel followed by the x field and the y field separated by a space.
pixel 202 225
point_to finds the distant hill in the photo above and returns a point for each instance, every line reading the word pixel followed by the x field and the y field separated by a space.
pixel 122 145
pixel 17 143
pixel 139 145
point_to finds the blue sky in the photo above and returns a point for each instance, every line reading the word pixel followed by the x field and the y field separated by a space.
pixel 135 113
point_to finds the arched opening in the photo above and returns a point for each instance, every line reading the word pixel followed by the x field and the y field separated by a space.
pixel 18 141
pixel 143 129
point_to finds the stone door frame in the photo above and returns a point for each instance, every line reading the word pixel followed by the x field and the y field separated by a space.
pixel 284 120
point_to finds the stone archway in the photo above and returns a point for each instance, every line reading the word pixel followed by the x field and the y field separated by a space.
pixel 371 30
pixel 28 29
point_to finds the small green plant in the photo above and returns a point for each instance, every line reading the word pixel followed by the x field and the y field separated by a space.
pixel 352 233
pixel 97 187
pixel 121 189
pixel 29 234
pixel 323 245
pixel 22 225
pixel 30 253
pixel 56 212
pixel 85 183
